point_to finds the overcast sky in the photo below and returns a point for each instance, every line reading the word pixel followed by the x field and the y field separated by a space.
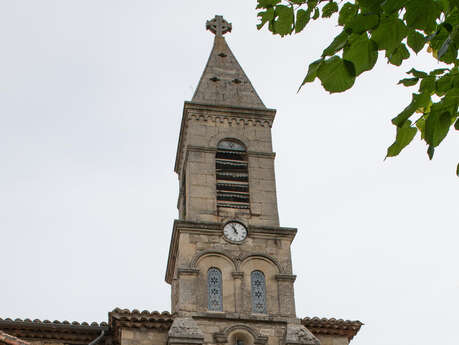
pixel 91 98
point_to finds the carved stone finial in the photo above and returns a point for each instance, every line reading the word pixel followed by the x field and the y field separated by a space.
pixel 218 26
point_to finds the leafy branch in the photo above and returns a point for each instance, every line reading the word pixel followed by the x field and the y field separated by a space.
pixel 398 28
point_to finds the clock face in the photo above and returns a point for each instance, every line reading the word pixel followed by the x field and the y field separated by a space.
pixel 235 232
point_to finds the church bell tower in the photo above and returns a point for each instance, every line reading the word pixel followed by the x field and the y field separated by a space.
pixel 229 262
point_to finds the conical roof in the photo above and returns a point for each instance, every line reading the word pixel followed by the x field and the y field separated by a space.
pixel 223 81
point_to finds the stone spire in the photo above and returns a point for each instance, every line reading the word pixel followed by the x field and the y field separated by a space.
pixel 223 81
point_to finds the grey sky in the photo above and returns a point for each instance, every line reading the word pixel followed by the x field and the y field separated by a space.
pixel 91 97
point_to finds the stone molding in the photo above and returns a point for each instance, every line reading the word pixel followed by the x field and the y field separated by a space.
pixel 238 275
pixel 200 254
pixel 231 120
pixel 187 271
pixel 236 260
pixel 222 337
pixel 288 277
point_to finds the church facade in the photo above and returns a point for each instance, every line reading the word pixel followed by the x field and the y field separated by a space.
pixel 229 263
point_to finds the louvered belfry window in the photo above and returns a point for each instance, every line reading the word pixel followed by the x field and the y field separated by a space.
pixel 214 289
pixel 258 286
pixel 232 175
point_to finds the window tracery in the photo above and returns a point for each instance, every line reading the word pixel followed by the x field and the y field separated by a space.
pixel 258 288
pixel 214 289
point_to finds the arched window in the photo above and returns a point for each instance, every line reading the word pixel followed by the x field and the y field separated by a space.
pixel 214 289
pixel 258 284
pixel 232 175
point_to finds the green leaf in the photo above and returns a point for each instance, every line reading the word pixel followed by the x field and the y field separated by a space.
pixel 457 170
pixel 404 136
pixel 437 126
pixel 418 101
pixel 430 151
pixel 456 125
pixel 389 34
pixel 362 22
pixel 312 72
pixel 336 74
pixel 265 17
pixel 302 18
pixel 416 73
pixel 422 15
pixel 329 9
pixel 416 41
pixel 451 101
pixel 283 24
pixel 390 6
pixel 347 12
pixel 443 84
pixel 316 14
pixel 371 5
pixel 397 56
pixel 337 44
pixel 420 124
pixel 438 71
pixel 427 84
pixel 312 4
pixel 409 81
pixel 363 53
pixel 267 3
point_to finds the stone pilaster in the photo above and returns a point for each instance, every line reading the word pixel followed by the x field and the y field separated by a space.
pixel 286 296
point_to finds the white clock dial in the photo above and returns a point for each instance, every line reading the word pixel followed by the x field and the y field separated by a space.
pixel 235 232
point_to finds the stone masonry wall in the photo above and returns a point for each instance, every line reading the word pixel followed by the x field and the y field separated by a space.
pixel 143 337
pixel 203 132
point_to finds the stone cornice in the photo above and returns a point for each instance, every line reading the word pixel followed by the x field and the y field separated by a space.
pixel 287 277
pixel 241 317
pixel 195 148
pixel 233 114
pixel 188 271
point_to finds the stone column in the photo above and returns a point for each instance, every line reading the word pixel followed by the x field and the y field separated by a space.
pixel 238 276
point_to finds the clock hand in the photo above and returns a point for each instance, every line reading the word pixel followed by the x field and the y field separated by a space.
pixel 235 230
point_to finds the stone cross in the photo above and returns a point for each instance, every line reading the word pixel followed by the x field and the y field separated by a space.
pixel 218 26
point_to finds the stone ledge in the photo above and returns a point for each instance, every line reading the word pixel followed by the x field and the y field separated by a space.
pixel 288 277
pixel 188 271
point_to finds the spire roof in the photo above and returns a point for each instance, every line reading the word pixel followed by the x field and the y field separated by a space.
pixel 223 81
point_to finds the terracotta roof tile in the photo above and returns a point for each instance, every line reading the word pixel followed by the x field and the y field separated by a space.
pixel 135 318
pixel 125 318
pixel 323 326
pixel 65 331
pixel 11 340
